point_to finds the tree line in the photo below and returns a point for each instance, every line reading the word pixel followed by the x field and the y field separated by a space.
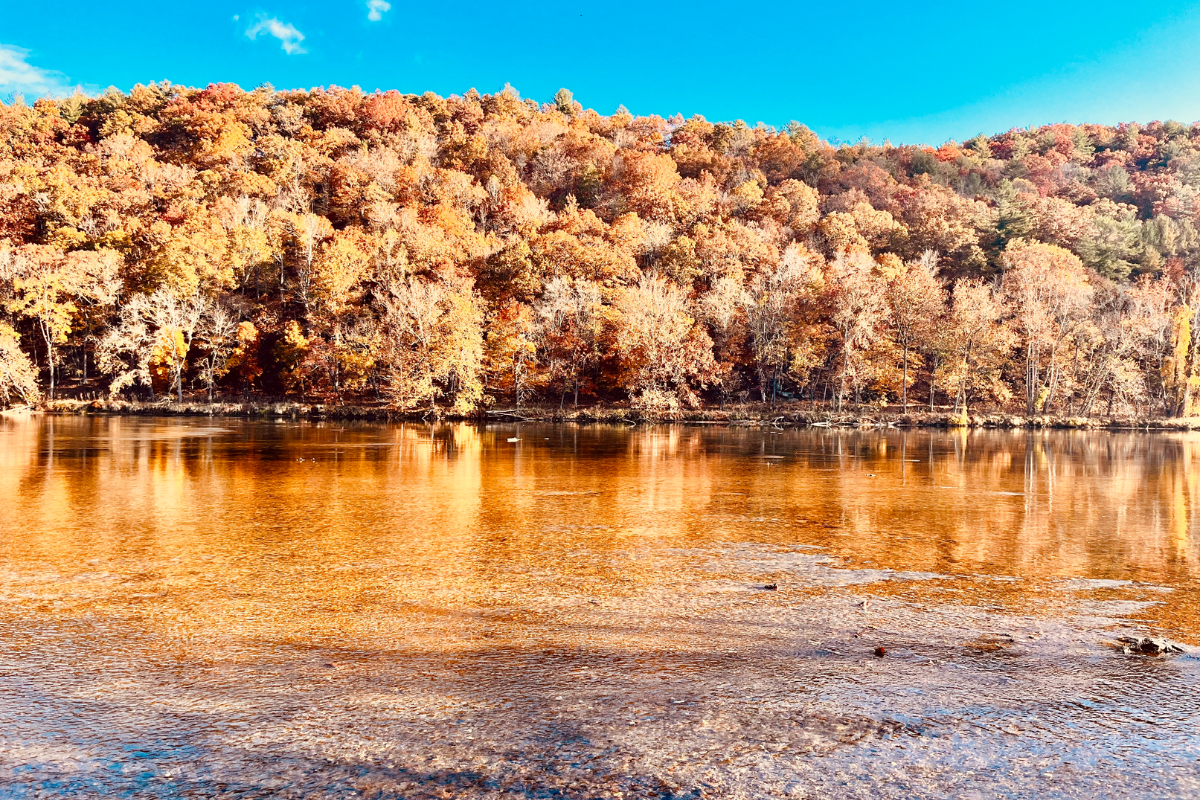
pixel 461 252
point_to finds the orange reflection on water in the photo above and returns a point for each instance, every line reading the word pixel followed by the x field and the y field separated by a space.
pixel 426 611
pixel 271 524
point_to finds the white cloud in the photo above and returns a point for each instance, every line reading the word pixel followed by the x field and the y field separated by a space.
pixel 18 75
pixel 375 9
pixel 289 38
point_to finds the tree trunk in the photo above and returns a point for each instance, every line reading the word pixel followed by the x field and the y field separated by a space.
pixel 516 370
pixel 1052 387
pixel 46 334
pixel 50 363
pixel 904 385
pixel 1031 378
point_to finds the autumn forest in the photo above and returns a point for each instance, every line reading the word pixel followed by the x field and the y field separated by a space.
pixel 486 251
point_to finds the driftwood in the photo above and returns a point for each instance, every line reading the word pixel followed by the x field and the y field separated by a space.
pixel 510 412
pixel 25 409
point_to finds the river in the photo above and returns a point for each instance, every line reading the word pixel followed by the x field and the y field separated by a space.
pixel 231 608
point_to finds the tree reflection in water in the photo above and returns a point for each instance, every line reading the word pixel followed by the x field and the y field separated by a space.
pixel 280 609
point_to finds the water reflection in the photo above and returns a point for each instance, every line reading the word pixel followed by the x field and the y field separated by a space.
pixel 1068 504
pixel 423 604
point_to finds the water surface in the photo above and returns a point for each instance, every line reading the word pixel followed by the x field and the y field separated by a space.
pixel 224 608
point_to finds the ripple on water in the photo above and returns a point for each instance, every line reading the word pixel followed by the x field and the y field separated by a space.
pixel 425 613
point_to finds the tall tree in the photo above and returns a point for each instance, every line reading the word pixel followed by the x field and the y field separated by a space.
pixel 978 339
pixel 916 305
pixel 432 344
pixel 217 335
pixel 569 319
pixel 770 304
pixel 1050 293
pixel 152 329
pixel 18 377
pixel 859 304
pixel 662 351
pixel 48 287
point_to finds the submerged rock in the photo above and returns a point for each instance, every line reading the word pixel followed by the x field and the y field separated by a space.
pixel 1147 645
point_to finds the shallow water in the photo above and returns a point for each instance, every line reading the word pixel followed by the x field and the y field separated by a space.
pixel 270 609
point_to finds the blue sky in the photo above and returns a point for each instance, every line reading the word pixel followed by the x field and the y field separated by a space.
pixel 906 72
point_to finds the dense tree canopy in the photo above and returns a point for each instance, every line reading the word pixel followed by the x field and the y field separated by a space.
pixel 454 253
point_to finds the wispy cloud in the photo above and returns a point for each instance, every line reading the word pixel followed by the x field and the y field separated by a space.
pixel 18 75
pixel 376 9
pixel 289 38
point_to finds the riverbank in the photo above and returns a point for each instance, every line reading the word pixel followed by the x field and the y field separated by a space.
pixel 749 415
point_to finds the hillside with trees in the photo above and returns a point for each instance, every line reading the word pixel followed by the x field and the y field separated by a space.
pixel 421 252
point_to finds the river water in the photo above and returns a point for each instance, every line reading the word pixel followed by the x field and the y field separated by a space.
pixel 226 608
